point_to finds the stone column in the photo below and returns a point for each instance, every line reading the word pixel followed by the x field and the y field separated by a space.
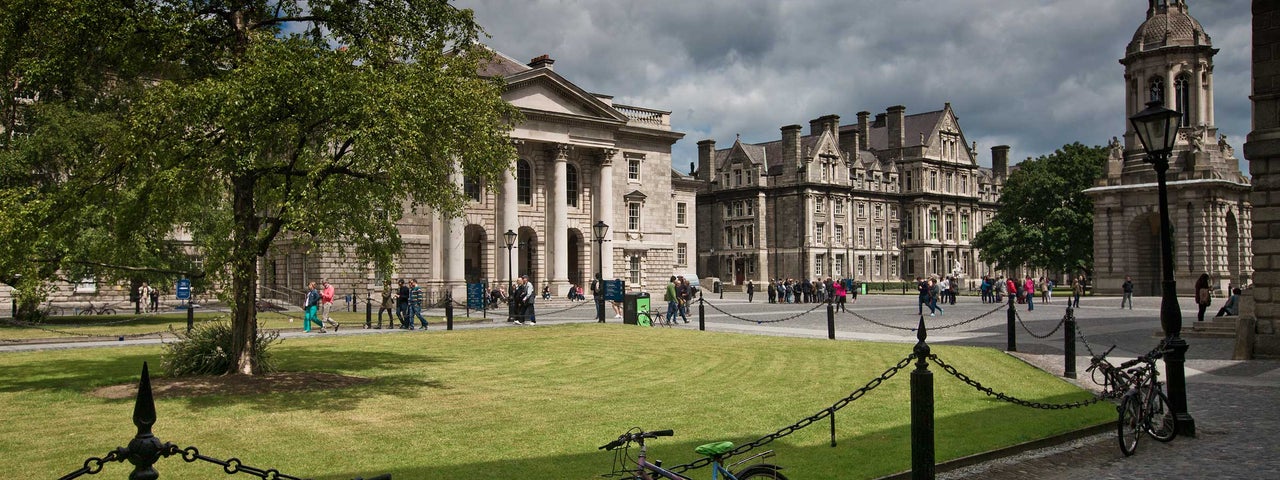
pixel 455 251
pixel 508 220
pixel 604 209
pixel 558 228
pixel 434 277
pixel 762 244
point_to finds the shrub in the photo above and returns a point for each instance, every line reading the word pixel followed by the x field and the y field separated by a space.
pixel 203 351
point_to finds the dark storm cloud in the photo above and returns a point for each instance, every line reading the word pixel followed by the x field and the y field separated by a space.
pixel 1032 74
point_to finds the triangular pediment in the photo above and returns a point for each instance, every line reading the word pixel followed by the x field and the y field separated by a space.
pixel 542 90
pixel 635 195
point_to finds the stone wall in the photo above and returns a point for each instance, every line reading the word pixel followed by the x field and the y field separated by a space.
pixel 1262 149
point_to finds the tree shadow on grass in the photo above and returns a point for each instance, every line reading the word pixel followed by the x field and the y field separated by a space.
pixel 75 375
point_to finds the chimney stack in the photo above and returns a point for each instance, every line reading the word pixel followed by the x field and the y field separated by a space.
pixel 791 154
pixel 894 121
pixel 542 61
pixel 1000 161
pixel 706 160
pixel 862 129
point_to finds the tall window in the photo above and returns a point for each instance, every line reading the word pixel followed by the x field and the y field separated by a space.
pixel 907 226
pixel 524 182
pixel 751 236
pixel 633 216
pixel 862 265
pixel 879 262
pixel 750 207
pixel 682 214
pixel 839 233
pixel 906 181
pixel 818 205
pixel 682 254
pixel 964 226
pixel 837 267
pixel 893 266
pixel 1182 87
pixel 964 184
pixel 862 236
pixel 879 237
pixel 633 169
pixel 933 180
pixel 933 225
pixel 818 260
pixel 862 209
pixel 951 226
pixel 947 188
pixel 571 185
pixel 879 210
pixel 737 177
pixel 728 209
pixel 635 269
pixel 819 232
pixel 471 188
pixel 893 237
pixel 742 236
pixel 838 206
pixel 1156 88
pixel 739 206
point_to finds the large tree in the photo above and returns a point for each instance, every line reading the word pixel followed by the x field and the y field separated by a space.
pixel 233 125
pixel 1045 220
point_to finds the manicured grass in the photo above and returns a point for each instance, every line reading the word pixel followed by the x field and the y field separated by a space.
pixel 78 327
pixel 530 403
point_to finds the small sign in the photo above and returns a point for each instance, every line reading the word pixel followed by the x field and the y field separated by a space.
pixel 613 290
pixel 184 289
pixel 475 296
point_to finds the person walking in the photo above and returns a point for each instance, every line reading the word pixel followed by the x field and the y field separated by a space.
pixel 416 297
pixel 935 289
pixel 1077 289
pixel 1204 295
pixel 751 290
pixel 387 305
pixel 154 296
pixel 402 305
pixel 673 302
pixel 310 306
pixel 326 305
pixel 1030 286
pixel 773 291
pixel 684 295
pixel 840 293
pixel 1127 289
pixel 525 293
pixel 1043 287
pixel 922 296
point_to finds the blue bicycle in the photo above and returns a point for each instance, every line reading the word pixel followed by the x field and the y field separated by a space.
pixel 715 451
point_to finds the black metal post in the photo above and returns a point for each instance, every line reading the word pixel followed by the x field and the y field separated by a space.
pixel 448 311
pixel 191 317
pixel 511 304
pixel 144 450
pixel 831 321
pixel 702 313
pixel 1170 312
pixel 368 312
pixel 833 426
pixel 922 449
pixel 1013 332
pixel 599 293
pixel 1069 344
pixel 137 306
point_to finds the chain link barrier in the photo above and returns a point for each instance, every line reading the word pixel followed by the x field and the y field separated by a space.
pixel 788 430
pixel 931 328
pixel 93 465
pixel 744 319
pixel 157 333
pixel 1008 398
pixel 1028 329
pixel 230 466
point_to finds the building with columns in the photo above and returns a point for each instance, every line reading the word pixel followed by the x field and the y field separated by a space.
pixel 880 200
pixel 581 159
pixel 1170 60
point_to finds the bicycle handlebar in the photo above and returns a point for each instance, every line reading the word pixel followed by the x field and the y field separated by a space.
pixel 629 437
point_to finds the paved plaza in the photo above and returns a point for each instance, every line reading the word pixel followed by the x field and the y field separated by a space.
pixel 1230 400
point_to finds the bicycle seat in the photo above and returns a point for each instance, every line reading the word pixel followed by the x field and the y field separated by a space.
pixel 714 449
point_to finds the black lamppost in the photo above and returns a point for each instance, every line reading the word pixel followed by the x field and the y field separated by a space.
pixel 1157 128
pixel 510 238
pixel 600 229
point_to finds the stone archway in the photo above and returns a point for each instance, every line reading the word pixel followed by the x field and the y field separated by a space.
pixel 475 240
pixel 527 261
pixel 576 256
pixel 1234 253
pixel 1144 257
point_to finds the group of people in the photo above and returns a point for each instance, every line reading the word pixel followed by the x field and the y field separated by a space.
pixel 805 291
pixel 149 296
pixel 318 299
pixel 406 301
pixel 678 294
pixel 933 292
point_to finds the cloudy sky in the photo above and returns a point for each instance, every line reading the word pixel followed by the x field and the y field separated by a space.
pixel 1032 74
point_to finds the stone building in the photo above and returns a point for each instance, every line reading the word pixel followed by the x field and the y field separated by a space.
pixel 581 159
pixel 1170 59
pixel 1260 306
pixel 880 200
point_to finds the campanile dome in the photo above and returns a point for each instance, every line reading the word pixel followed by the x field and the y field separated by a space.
pixel 1168 24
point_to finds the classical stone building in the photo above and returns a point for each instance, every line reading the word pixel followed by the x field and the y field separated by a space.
pixel 581 159
pixel 880 200
pixel 1260 306
pixel 1170 59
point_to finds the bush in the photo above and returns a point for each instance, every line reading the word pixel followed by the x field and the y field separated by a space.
pixel 204 351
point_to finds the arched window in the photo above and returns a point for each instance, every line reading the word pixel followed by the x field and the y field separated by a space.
pixel 524 182
pixel 571 184
pixel 1157 89
pixel 1182 90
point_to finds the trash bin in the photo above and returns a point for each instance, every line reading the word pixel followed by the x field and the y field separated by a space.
pixel 863 287
pixel 633 304
pixel 715 287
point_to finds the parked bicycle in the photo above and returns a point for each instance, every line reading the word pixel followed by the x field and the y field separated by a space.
pixel 715 451
pixel 92 310
pixel 1143 406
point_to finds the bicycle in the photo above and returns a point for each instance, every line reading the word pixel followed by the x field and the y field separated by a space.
pixel 715 451
pixel 1143 405
pixel 92 310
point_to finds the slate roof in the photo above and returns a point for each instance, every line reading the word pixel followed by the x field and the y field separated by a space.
pixel 502 65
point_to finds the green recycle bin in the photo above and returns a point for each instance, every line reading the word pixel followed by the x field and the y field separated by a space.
pixel 634 304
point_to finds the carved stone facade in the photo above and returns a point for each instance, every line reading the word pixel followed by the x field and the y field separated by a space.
pixel 1171 59
pixel 1262 302
pixel 881 200
pixel 581 159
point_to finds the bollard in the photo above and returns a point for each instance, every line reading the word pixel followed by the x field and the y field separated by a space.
pixel 448 311
pixel 191 317
pixel 922 452
pixel 831 321
pixel 368 312
pixel 832 411
pixel 1069 344
pixel 1013 332
pixel 702 315
pixel 137 307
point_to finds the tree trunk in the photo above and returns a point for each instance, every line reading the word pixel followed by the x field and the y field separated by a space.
pixel 244 278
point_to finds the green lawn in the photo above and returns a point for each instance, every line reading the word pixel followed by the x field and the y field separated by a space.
pixel 530 403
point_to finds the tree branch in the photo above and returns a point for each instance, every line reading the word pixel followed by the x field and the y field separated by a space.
pixel 280 20
pixel 128 268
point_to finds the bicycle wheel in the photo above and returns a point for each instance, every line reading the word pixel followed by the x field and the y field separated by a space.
pixel 1130 425
pixel 760 472
pixel 107 311
pixel 1161 424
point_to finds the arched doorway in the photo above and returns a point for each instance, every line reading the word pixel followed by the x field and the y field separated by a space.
pixel 1144 259
pixel 527 262
pixel 577 255
pixel 1233 251
pixel 475 239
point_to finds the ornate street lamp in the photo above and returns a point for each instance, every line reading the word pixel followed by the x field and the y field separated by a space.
pixel 1157 128
pixel 510 238
pixel 600 229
